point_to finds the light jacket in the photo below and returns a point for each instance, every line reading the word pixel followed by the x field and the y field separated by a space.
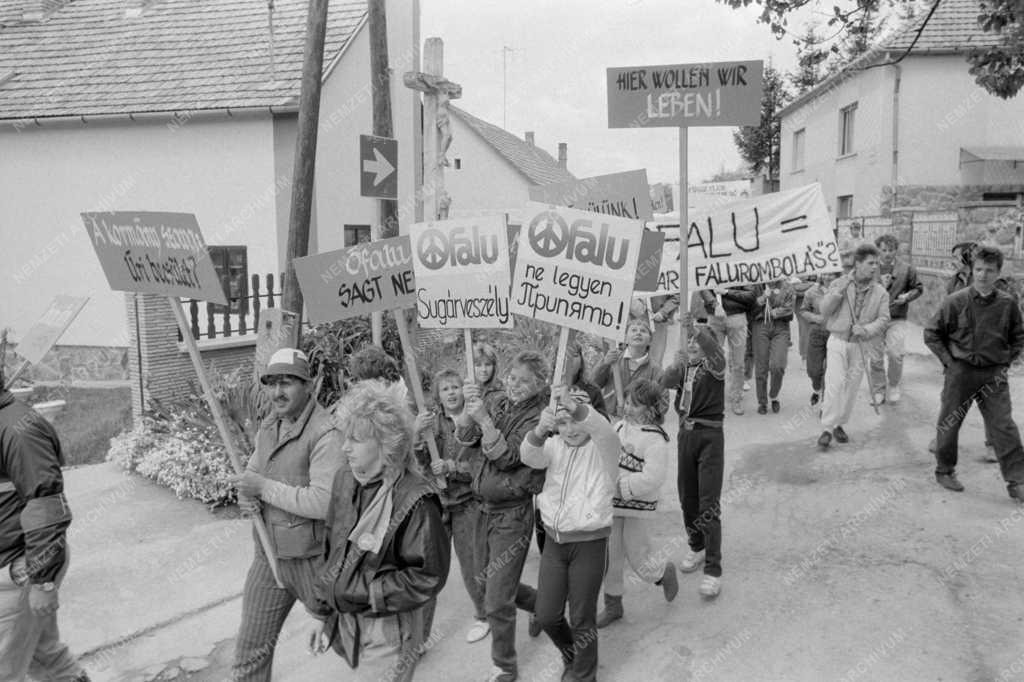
pixel 838 303
pixel 301 466
pixel 576 502
pixel 643 461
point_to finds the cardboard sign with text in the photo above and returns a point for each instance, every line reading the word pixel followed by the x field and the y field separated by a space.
pixel 625 195
pixel 685 95
pixel 154 253
pixel 462 273
pixel 42 336
pixel 359 280
pixel 576 269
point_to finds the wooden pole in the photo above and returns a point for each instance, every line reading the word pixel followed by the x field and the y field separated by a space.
pixel 470 368
pixel 684 230
pixel 380 87
pixel 222 426
pixel 559 376
pixel 433 171
pixel 305 152
pixel 417 387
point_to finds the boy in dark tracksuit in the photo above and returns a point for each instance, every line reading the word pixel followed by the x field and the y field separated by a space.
pixel 700 402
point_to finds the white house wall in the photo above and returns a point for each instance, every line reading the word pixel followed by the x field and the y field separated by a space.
pixel 486 182
pixel 220 169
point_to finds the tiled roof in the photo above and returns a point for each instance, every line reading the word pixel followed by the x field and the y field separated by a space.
pixel 953 27
pixel 89 58
pixel 536 164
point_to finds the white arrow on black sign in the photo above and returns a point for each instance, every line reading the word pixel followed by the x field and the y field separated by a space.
pixel 379 166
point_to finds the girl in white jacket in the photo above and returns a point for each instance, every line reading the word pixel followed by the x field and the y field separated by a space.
pixel 643 462
pixel 576 508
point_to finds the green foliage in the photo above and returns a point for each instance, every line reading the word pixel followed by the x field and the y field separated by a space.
pixel 759 145
pixel 91 416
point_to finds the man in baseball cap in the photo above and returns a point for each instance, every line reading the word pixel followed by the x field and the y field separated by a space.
pixel 288 482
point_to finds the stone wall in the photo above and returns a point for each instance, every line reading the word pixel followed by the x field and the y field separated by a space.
pixel 74 363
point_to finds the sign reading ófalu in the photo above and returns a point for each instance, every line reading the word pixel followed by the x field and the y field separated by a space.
pixel 576 269
pixel 685 95
pixel 41 336
pixel 761 239
pixel 462 273
pixel 358 280
pixel 625 195
pixel 154 253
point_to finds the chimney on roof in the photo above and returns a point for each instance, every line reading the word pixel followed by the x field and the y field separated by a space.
pixel 529 137
pixel 39 10
pixel 563 154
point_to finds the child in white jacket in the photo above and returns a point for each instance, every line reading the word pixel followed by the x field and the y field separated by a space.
pixel 643 463
pixel 576 508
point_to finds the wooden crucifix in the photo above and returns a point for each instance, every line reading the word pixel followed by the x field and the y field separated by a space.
pixel 437 134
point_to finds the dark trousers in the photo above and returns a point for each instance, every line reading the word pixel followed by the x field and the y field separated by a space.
pixel 503 542
pixel 748 356
pixel 701 465
pixel 817 351
pixel 462 526
pixel 771 346
pixel 573 571
pixel 988 387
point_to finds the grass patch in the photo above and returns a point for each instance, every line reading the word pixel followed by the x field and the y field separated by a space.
pixel 91 417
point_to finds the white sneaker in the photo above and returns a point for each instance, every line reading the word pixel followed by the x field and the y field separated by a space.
pixel 879 397
pixel 480 629
pixel 894 394
pixel 691 561
pixel 746 385
pixel 710 586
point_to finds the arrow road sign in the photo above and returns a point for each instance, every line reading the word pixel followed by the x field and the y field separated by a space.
pixel 378 166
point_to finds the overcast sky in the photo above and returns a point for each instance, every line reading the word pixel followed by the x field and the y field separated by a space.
pixel 556 73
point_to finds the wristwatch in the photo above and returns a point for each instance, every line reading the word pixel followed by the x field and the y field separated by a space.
pixel 45 587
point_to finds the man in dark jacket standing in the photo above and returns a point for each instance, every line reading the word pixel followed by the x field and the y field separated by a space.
pixel 977 333
pixel 900 280
pixel 34 518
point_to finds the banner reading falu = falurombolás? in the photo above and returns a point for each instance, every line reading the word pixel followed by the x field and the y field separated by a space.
pixel 462 273
pixel 576 269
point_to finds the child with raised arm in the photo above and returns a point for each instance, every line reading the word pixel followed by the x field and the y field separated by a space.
pixel 643 460
pixel 576 506
pixel 699 380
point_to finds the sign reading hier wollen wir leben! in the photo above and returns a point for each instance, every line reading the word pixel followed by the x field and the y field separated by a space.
pixel 576 269
pixel 685 95
pixel 360 280
pixel 462 273
pixel 154 253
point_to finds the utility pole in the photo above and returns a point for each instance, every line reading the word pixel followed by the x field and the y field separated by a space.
pixel 305 152
pixel 380 83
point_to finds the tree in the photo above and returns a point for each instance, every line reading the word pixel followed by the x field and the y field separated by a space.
pixel 724 175
pixel 810 58
pixel 999 69
pixel 759 145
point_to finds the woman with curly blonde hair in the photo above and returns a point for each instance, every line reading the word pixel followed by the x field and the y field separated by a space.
pixel 387 552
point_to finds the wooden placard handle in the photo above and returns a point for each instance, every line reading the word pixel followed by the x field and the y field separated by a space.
pixel 417 388
pixel 559 375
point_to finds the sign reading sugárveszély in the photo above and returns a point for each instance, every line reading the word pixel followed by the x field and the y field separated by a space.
pixel 154 253
pixel 576 269
pixel 462 273
pixel 358 280
pixel 685 95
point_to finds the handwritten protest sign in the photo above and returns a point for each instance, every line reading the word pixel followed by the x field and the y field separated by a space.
pixel 685 95
pixel 41 337
pixel 357 281
pixel 625 195
pixel 154 253
pixel 576 269
pixel 462 273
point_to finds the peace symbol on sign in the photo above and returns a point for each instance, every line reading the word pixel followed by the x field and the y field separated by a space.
pixel 433 248
pixel 548 234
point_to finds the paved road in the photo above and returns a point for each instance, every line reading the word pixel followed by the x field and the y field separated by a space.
pixel 849 564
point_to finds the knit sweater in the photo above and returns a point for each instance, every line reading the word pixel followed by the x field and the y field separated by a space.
pixel 643 463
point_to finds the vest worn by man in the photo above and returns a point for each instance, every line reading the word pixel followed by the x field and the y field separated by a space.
pixel 286 459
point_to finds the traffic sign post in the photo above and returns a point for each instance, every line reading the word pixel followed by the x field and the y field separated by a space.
pixel 378 167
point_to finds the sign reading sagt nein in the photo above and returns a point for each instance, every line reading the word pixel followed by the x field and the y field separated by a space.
pixel 625 195
pixel 756 240
pixel 359 280
pixel 576 269
pixel 462 273
pixel 51 326
pixel 685 95
pixel 154 253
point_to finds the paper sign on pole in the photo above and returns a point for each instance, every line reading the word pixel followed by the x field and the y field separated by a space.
pixel 462 273
pixel 41 337
pixel 154 253
pixel 625 195
pixel 685 95
pixel 359 280
pixel 576 269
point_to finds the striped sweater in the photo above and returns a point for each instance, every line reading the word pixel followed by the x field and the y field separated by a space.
pixel 643 464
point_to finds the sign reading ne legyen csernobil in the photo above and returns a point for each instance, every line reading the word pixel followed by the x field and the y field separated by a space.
pixel 154 253
pixel 685 95
pixel 462 273
pixel 360 280
pixel 576 269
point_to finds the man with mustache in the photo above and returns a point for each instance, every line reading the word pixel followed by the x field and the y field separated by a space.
pixel 288 482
